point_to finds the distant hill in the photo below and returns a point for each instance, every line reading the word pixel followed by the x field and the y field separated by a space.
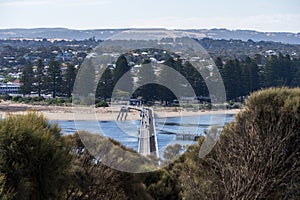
pixel 102 34
pixel 63 33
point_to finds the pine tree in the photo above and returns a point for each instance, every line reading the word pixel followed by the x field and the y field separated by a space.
pixel 254 77
pixel 39 77
pixel 146 82
pixel 27 79
pixel 285 70
pixel 231 75
pixel 166 80
pixel 219 63
pixel 54 78
pixel 85 84
pixel 195 79
pixel 257 59
pixel 121 69
pixel 175 63
pixel 250 77
pixel 69 80
pixel 296 75
pixel 268 72
pixel 105 85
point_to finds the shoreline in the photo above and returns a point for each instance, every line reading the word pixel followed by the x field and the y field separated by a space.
pixel 62 113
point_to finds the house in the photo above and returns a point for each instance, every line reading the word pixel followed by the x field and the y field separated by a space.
pixel 9 88
pixel 270 53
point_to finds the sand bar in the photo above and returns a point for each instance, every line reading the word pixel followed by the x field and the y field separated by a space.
pixel 99 114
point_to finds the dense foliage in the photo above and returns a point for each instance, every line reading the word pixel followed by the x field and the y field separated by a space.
pixel 242 77
pixel 34 160
pixel 37 162
pixel 256 157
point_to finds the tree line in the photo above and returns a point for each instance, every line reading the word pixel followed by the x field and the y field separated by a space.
pixel 48 79
pixel 146 73
pixel 240 77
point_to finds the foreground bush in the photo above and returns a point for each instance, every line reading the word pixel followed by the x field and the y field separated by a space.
pixel 91 179
pixel 257 156
pixel 34 162
pixel 37 163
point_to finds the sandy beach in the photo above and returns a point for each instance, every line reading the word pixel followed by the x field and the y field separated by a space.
pixel 100 114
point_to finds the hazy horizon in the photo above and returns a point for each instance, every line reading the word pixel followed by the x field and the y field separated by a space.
pixel 258 15
pixel 158 28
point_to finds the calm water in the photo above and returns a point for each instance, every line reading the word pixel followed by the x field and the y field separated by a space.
pixel 126 132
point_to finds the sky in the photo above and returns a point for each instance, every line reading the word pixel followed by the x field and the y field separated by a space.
pixel 260 15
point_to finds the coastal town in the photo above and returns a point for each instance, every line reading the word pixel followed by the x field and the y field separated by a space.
pixel 15 53
pixel 149 100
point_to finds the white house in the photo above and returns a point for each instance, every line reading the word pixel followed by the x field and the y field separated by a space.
pixel 9 88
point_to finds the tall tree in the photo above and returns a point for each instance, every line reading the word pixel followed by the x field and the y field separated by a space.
pixel 296 79
pixel 39 77
pixel 146 78
pixel 219 62
pixel 250 76
pixel 270 75
pixel 285 70
pixel 257 59
pixel 231 74
pixel 165 81
pixel 279 71
pixel 54 78
pixel 175 63
pixel 85 84
pixel 121 69
pixel 195 79
pixel 69 79
pixel 27 79
pixel 105 85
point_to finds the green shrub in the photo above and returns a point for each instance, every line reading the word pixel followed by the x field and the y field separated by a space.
pixel 27 100
pixel 102 104
pixel 38 99
pixel 5 97
pixel 34 162
pixel 208 106
pixel 259 152
pixel 59 101
pixel 17 99
pixel 69 100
